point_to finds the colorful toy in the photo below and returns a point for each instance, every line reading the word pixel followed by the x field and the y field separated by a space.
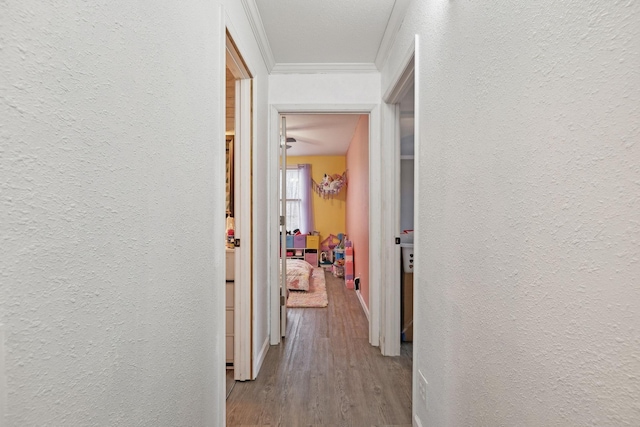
pixel 329 243
pixel 330 185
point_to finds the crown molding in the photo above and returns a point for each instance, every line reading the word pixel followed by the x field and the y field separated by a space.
pixel 393 26
pixel 253 14
pixel 324 68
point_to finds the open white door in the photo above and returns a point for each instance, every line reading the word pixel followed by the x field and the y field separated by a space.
pixel 283 226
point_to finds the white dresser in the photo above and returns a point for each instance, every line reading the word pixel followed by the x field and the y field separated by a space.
pixel 229 304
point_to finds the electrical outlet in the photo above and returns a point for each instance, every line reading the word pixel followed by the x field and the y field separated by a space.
pixel 422 388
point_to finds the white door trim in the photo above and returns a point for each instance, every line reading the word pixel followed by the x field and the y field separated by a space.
pixel 390 318
pixel 242 362
pixel 243 197
pixel 401 82
pixel 375 207
pixel 273 227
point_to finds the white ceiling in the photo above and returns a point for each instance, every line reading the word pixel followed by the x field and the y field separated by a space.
pixel 324 36
pixel 325 31
pixel 320 134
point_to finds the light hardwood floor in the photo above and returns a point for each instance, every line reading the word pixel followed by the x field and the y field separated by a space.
pixel 326 373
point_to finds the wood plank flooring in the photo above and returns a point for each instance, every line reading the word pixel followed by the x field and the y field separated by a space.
pixel 326 373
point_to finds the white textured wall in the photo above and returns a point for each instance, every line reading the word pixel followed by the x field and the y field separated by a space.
pixel 528 211
pixel 110 176
pixel 324 88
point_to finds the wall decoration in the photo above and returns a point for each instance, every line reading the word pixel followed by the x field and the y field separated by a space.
pixel 330 185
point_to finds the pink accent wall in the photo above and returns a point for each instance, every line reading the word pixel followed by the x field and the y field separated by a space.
pixel 357 206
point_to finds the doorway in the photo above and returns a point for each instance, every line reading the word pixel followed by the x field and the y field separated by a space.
pixel 401 133
pixel 239 214
pixel 371 307
pixel 327 188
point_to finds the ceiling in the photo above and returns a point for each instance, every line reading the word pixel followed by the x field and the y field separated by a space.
pixel 324 36
pixel 325 31
pixel 320 134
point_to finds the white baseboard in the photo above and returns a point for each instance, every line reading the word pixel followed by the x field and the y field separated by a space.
pixel 364 306
pixel 260 359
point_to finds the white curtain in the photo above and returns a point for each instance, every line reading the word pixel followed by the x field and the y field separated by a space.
pixel 299 209
pixel 306 210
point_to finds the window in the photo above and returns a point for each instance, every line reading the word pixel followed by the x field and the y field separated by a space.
pixel 299 210
pixel 294 199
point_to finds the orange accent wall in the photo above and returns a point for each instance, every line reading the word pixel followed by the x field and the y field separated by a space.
pixel 328 214
pixel 357 212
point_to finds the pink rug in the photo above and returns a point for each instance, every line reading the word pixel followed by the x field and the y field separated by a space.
pixel 316 296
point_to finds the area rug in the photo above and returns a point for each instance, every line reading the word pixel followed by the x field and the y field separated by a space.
pixel 316 296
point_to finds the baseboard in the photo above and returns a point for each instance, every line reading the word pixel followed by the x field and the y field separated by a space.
pixel 364 306
pixel 261 356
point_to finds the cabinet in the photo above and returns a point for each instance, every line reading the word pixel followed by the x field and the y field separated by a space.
pixel 229 315
pixel 229 307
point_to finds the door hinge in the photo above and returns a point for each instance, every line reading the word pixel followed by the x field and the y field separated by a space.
pixel 281 219
pixel 237 243
pixel 282 300
pixel 397 240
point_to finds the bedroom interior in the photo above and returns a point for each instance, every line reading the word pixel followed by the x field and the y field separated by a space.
pixel 325 144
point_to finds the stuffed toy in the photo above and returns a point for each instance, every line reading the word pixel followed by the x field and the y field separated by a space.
pixel 326 182
pixel 330 185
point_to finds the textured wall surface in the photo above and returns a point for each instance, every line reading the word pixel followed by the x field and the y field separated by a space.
pixel 528 212
pixel 324 88
pixel 109 180
pixel 357 206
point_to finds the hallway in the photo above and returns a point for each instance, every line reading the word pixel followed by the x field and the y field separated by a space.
pixel 113 167
pixel 326 373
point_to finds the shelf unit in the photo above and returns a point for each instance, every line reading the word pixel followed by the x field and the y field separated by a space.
pixel 304 247
pixel 308 254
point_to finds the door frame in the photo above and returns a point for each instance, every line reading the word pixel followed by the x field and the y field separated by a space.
pixel 282 172
pixel 405 76
pixel 375 207
pixel 243 210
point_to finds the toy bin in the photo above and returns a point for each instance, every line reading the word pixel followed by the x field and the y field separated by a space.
pixel 313 242
pixel 311 256
pixel 300 241
pixel 290 242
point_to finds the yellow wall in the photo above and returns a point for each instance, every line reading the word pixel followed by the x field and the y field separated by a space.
pixel 329 215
